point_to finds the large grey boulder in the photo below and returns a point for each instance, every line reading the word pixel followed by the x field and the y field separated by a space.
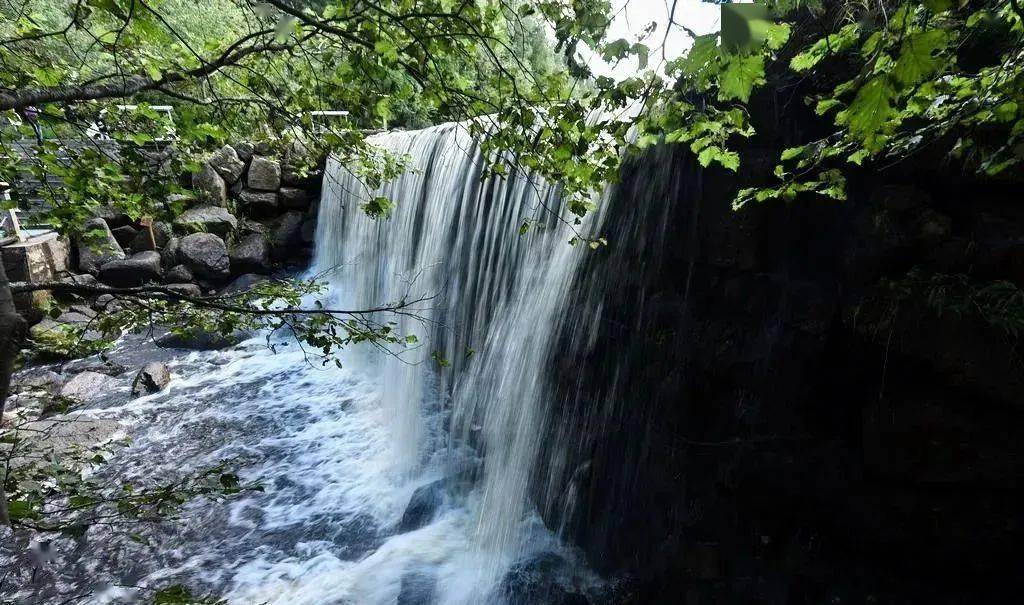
pixel 88 386
pixel 212 219
pixel 94 252
pixel 169 255
pixel 285 233
pixel 152 378
pixel 250 255
pixel 206 255
pixel 209 187
pixel 264 174
pixel 227 164
pixel 133 271
pixel 244 151
pixel 259 203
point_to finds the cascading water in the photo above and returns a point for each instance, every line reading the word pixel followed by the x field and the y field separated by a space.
pixel 394 478
pixel 498 299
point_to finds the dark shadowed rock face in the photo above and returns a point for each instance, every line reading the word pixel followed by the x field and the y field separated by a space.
pixel 423 506
pixel 206 255
pixel 259 203
pixel 538 580
pixel 179 274
pixel 227 164
pixel 242 283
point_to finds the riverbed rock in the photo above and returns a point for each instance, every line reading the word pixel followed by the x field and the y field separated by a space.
pixel 206 255
pixel 209 187
pixel 251 254
pixel 136 270
pixel 417 588
pixel 144 240
pixel 40 379
pixel 106 303
pixel 186 289
pixel 97 364
pixel 152 378
pixel 227 164
pixel 264 174
pixel 211 219
pixel 537 580
pixel 258 203
pixel 201 341
pixel 95 252
pixel 87 386
pixel 179 274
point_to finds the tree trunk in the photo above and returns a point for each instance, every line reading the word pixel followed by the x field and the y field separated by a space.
pixel 12 331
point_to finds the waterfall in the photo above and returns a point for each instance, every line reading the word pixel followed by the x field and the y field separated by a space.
pixel 497 297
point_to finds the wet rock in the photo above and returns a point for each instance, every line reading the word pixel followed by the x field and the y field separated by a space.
pixel 94 253
pixel 179 274
pixel 243 283
pixel 227 164
pixel 106 303
pixel 88 386
pixel 206 255
pixel 98 365
pixel 169 255
pixel 418 588
pixel 285 233
pixel 152 378
pixel 124 235
pixel 186 289
pixel 294 198
pixel 540 579
pixel 133 271
pixel 211 219
pixel 259 203
pixel 43 380
pixel 202 341
pixel 423 506
pixel 209 187
pixel 251 255
pixel 264 174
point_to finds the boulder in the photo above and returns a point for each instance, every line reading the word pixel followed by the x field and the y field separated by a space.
pixel 244 151
pixel 209 187
pixel 106 303
pixel 152 378
pixel 93 252
pixel 133 271
pixel 144 240
pixel 124 235
pixel 227 164
pixel 247 227
pixel 43 380
pixel 264 174
pixel 178 274
pixel 211 219
pixel 259 203
pixel 161 234
pixel 169 255
pixel 251 255
pixel 203 341
pixel 285 233
pixel 243 283
pixel 294 198
pixel 206 255
pixel 87 386
pixel 540 579
pixel 423 506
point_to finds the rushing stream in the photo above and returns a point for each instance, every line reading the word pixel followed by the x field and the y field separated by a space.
pixel 405 475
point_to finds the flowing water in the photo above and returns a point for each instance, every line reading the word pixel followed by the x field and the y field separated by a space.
pixel 453 420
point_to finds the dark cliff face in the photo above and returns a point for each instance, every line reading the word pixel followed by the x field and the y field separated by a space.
pixel 748 413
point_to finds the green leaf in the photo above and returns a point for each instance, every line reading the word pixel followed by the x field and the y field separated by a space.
pixel 838 42
pixel 920 56
pixel 739 77
pixel 777 35
pixel 871 108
